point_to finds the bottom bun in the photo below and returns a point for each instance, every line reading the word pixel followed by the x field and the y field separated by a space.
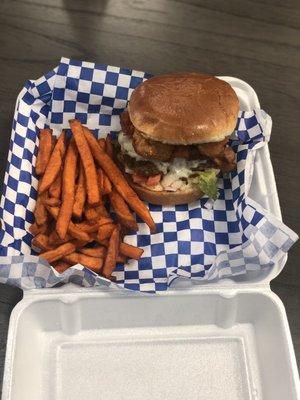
pixel 164 197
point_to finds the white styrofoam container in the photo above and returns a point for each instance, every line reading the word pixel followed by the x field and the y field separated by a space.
pixel 228 340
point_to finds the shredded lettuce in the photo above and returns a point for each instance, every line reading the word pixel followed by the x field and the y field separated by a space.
pixel 207 182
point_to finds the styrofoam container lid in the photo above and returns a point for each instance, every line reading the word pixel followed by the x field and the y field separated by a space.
pixel 228 340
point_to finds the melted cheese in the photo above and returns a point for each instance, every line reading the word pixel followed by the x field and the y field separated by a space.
pixel 126 145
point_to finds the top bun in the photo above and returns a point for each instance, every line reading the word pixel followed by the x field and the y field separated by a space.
pixel 184 108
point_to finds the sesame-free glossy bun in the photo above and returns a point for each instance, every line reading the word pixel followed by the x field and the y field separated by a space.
pixel 184 108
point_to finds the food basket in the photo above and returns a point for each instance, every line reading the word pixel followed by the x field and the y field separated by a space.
pixel 224 340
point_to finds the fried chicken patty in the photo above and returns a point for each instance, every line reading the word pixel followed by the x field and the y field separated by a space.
pixel 151 149
pixel 218 152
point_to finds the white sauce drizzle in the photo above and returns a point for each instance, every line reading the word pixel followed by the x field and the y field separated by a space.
pixel 179 168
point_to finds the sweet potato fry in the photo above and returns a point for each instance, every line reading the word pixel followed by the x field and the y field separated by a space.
pixel 80 194
pixel 102 143
pixel 105 231
pixel 59 252
pixel 93 214
pixel 107 186
pixel 61 266
pixel 121 259
pixel 87 161
pixel 94 251
pixel 93 263
pixel 86 227
pixel 131 251
pixel 81 243
pixel 35 229
pixel 77 233
pixel 122 210
pixel 68 190
pixel 44 152
pixel 40 212
pixel 126 249
pixel 100 179
pixel 103 182
pixel 104 213
pixel 41 241
pixel 112 253
pixel 103 242
pixel 55 188
pixel 54 164
pixel 104 221
pixel 109 147
pixel 53 142
pixel 118 180
pixel 73 230
pixel 55 240
pixel 94 237
pixel 44 228
pixel 97 214
pixel 52 201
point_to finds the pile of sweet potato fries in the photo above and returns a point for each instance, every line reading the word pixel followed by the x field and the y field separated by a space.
pixel 78 180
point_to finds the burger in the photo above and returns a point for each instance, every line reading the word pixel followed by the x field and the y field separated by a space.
pixel 174 136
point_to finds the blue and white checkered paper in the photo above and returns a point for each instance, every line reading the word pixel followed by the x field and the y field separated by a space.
pixel 203 240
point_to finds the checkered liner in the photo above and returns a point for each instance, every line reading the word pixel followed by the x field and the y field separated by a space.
pixel 202 240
